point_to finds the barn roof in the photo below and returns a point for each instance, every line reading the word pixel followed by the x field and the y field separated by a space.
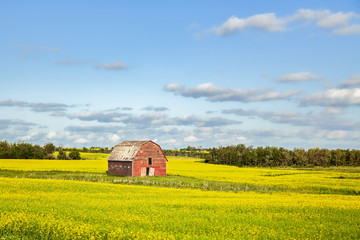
pixel 126 150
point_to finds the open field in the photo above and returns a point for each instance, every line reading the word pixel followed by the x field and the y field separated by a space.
pixel 48 165
pixel 42 209
pixel 196 201
pixel 341 180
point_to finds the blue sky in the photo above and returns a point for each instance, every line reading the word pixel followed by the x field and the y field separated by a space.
pixel 199 73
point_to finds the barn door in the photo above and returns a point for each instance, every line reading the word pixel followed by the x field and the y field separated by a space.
pixel 143 171
pixel 152 171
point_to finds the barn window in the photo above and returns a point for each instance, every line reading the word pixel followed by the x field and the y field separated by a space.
pixel 157 151
pixel 150 161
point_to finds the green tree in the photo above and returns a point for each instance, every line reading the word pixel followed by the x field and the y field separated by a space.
pixel 49 148
pixel 75 155
pixel 62 154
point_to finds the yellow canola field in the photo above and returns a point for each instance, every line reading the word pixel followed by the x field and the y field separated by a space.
pixel 288 178
pixel 190 167
pixel 56 209
pixel 58 165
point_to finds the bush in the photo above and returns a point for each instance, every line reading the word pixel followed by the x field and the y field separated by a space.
pixel 62 154
pixel 74 155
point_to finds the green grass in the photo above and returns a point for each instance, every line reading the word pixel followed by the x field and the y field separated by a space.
pixel 195 173
pixel 173 181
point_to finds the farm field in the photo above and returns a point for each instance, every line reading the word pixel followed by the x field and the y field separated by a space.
pixel 332 180
pixel 56 209
pixel 61 209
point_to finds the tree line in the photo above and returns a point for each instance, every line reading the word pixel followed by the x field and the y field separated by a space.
pixel 240 155
pixel 190 151
pixel 89 150
pixel 23 150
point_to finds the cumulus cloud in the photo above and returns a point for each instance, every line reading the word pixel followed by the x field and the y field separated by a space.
pixel 156 109
pixel 51 135
pixel 81 140
pixel 36 107
pixel 348 30
pixel 351 82
pixel 299 119
pixel 345 94
pixel 333 110
pixel 264 22
pixel 191 138
pixel 333 98
pixel 337 22
pixel 299 77
pixel 112 66
pixel 7 123
pixel 119 109
pixel 148 120
pixel 173 87
pixel 220 94
pixel 93 129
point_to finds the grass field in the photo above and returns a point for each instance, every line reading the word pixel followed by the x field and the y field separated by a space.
pixel 268 203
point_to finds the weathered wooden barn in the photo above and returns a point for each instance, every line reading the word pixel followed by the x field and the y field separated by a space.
pixel 137 158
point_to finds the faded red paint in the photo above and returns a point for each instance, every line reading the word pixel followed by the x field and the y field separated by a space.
pixel 141 162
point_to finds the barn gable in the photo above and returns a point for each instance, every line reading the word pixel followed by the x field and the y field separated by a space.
pixel 137 158
pixel 125 151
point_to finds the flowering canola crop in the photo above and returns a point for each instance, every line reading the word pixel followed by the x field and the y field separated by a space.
pixel 58 209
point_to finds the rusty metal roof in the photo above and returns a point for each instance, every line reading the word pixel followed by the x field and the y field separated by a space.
pixel 126 150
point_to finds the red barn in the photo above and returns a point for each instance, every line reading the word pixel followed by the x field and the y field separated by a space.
pixel 137 158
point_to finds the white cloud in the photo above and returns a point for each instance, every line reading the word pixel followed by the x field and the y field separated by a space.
pixel 333 97
pixel 170 141
pixel 32 136
pixel 339 134
pixel 348 30
pixel 220 94
pixel 172 87
pixel 324 18
pixel 191 138
pixel 244 140
pixel 337 22
pixel 51 135
pixel 299 77
pixel 333 110
pixel 265 22
pixel 80 140
pixel 351 82
pixel 114 138
pixel 56 108
pixel 154 119
pixel 112 66
pixel 319 121
pixel 156 109
pixel 310 15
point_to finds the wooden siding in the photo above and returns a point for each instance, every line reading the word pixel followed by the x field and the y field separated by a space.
pixel 141 160
pixel 123 168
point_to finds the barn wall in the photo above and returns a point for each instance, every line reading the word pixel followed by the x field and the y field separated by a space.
pixel 150 150
pixel 120 168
